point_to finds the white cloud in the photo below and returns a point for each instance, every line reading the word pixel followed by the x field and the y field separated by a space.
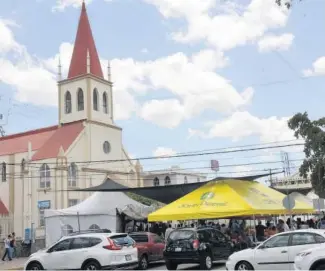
pixel 243 124
pixel 220 24
pixel 163 151
pixel 274 42
pixel 209 60
pixel 318 68
pixel 61 5
pixel 8 42
pixel 165 113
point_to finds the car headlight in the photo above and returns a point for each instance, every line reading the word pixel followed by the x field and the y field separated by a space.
pixel 303 254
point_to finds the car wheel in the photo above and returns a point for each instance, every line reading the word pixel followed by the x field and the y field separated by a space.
pixel 171 265
pixel 143 263
pixel 206 262
pixel 34 266
pixel 244 266
pixel 319 267
pixel 92 265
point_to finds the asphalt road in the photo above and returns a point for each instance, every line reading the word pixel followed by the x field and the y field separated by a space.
pixel 162 266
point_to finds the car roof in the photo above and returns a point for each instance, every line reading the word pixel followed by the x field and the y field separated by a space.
pixel 319 231
pixel 95 234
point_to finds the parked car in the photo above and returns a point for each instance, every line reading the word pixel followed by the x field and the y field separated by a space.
pixel 311 259
pixel 150 248
pixel 278 252
pixel 91 251
pixel 202 246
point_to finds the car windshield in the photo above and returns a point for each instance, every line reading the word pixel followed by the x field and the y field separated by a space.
pixel 181 235
pixel 139 238
pixel 122 240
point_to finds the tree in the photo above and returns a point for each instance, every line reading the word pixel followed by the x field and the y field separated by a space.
pixel 287 3
pixel 313 132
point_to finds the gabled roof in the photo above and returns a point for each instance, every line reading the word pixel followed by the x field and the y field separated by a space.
pixel 46 141
pixel 64 136
pixel 18 143
pixel 3 209
pixel 84 44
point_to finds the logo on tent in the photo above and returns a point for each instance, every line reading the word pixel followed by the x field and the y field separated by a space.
pixel 207 195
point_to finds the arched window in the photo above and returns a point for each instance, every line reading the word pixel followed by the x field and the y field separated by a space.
pixel 67 101
pixel 45 176
pixel 95 99
pixel 105 106
pixel 94 227
pixel 167 180
pixel 80 100
pixel 185 179
pixel 156 181
pixel 23 165
pixel 4 172
pixel 66 230
pixel 72 175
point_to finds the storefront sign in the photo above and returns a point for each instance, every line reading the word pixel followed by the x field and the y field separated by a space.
pixel 44 204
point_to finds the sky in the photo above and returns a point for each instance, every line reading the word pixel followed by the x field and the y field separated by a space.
pixel 188 75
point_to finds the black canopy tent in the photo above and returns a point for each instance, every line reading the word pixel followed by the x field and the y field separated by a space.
pixel 163 194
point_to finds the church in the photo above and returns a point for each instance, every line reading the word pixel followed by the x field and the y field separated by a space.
pixel 41 168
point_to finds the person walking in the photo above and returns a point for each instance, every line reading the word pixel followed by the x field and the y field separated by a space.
pixel 168 231
pixel 7 249
pixel 13 245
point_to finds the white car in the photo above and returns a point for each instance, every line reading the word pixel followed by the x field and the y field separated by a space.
pixel 311 259
pixel 92 251
pixel 276 253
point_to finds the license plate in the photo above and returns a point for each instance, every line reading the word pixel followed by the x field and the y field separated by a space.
pixel 178 249
pixel 128 258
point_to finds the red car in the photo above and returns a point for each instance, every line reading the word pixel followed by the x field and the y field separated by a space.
pixel 150 248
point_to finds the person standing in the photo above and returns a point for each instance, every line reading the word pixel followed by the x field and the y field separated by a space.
pixel 260 232
pixel 168 231
pixel 7 249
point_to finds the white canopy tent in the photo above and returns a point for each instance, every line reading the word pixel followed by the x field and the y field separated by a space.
pixel 99 211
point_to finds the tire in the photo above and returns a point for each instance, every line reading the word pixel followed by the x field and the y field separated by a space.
pixel 143 262
pixel 171 265
pixel 244 266
pixel 34 266
pixel 91 265
pixel 206 262
pixel 320 266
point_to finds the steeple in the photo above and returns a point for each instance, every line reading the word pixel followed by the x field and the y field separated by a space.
pixel 84 57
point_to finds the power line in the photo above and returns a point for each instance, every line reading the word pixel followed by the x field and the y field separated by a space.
pixel 191 154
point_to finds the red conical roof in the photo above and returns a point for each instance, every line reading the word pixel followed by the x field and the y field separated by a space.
pixel 84 43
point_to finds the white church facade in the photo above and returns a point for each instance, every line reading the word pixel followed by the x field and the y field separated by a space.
pixel 41 168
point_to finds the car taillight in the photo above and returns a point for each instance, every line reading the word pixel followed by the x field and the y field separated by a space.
pixel 112 245
pixel 196 244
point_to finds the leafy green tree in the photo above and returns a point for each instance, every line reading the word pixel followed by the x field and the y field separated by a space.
pixel 313 132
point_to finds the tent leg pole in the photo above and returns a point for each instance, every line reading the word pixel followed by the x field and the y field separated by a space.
pixel 254 229
pixel 78 221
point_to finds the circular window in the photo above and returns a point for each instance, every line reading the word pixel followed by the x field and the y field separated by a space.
pixel 106 147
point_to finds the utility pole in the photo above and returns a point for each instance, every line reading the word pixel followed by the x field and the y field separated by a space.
pixel 271 181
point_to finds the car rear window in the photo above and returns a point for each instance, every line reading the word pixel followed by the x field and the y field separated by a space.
pixel 122 240
pixel 181 235
pixel 140 238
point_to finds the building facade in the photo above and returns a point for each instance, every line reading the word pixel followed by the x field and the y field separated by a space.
pixel 41 168
pixel 172 176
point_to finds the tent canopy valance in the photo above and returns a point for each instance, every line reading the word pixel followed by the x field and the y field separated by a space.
pixel 228 198
pixel 163 194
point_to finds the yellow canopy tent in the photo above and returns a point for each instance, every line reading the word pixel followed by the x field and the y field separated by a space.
pixel 228 198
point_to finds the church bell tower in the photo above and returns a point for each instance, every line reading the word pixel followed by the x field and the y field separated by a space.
pixel 85 94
